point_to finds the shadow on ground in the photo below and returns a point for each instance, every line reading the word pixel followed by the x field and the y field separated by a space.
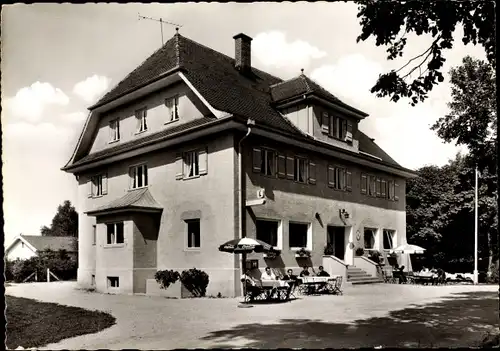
pixel 459 320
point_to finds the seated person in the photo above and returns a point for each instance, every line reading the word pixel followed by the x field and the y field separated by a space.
pixel 289 275
pixel 268 275
pixel 425 270
pixel 251 280
pixel 322 272
pixel 305 272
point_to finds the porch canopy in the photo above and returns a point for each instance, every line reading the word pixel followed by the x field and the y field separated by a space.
pixel 139 200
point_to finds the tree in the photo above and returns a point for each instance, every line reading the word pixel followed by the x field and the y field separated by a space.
pixel 391 21
pixel 64 223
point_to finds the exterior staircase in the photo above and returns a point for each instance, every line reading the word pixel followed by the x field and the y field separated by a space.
pixel 356 275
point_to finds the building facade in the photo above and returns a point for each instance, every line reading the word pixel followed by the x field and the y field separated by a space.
pixel 194 148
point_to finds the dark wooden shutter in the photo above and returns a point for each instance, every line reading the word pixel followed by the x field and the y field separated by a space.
pixel 396 197
pixel 104 183
pixel 344 128
pixel 290 168
pixel 331 176
pixel 378 184
pixel 383 191
pixel 349 135
pixel 364 184
pixel 312 172
pixel 348 180
pixel 203 161
pixel 325 123
pixel 390 190
pixel 281 166
pixel 256 159
pixel 179 174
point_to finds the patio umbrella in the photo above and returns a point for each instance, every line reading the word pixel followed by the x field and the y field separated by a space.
pixel 246 245
pixel 408 249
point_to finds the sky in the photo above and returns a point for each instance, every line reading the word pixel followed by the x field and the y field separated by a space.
pixel 57 59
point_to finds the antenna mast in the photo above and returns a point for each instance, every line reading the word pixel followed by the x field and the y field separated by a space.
pixel 162 22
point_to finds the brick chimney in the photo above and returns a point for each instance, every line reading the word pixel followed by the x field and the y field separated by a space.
pixel 243 52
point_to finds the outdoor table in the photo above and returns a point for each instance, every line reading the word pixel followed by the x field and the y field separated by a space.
pixel 424 278
pixel 282 288
pixel 314 284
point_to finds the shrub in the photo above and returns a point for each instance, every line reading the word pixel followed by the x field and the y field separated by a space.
pixel 303 253
pixel 328 250
pixel 166 277
pixel 359 251
pixel 375 256
pixel 493 277
pixel 59 262
pixel 8 270
pixel 195 281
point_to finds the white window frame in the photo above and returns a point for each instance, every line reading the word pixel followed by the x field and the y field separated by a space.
pixel 297 169
pixel 135 179
pixel 97 185
pixel 374 233
pixel 141 114
pixel 115 236
pixel 172 104
pixel 309 236
pixel 191 161
pixel 266 155
pixel 114 127
pixel 109 281
pixel 279 234
pixel 186 244
pixel 394 238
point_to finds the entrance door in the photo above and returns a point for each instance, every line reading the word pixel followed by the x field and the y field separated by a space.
pixel 336 237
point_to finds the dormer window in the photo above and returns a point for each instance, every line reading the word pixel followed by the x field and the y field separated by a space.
pixel 114 130
pixel 336 127
pixel 142 125
pixel 172 108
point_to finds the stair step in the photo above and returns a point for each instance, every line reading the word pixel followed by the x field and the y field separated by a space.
pixel 367 281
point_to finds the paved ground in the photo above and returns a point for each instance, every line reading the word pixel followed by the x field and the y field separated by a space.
pixel 385 315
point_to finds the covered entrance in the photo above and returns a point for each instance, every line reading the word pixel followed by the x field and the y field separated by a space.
pixel 336 237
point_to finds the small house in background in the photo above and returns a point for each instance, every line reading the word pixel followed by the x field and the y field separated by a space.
pixel 27 246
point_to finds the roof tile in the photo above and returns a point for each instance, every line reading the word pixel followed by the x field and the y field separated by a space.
pixel 54 243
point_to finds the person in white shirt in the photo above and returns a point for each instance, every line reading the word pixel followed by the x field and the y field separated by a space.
pixel 268 275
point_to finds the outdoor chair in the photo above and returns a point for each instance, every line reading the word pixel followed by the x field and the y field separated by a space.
pixel 252 292
pixel 388 276
pixel 335 287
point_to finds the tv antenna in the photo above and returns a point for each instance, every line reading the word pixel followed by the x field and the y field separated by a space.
pixel 162 22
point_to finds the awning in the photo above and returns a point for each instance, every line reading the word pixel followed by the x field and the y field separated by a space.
pixel 139 200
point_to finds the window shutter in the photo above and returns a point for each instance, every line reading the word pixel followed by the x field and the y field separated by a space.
pixel 348 180
pixel 344 128
pixel 384 188
pixel 131 177
pixel 331 176
pixel 91 188
pixel 364 183
pixel 111 131
pixel 281 166
pixel 396 185
pixel 378 186
pixel 178 166
pixel 348 135
pixel 290 168
pixel 203 161
pixel 312 173
pixel 104 183
pixel 138 120
pixel 145 119
pixel 257 159
pixel 325 123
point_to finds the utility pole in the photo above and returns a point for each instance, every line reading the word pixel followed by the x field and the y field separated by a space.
pixel 475 230
pixel 162 22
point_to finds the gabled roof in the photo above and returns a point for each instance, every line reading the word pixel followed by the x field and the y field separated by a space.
pixel 298 86
pixel 368 145
pixel 54 243
pixel 140 199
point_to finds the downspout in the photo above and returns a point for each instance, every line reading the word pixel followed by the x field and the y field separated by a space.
pixel 250 122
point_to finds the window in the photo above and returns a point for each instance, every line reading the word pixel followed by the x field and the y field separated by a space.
pixel 114 233
pixel 383 190
pixel 142 125
pixel 98 185
pixel 369 238
pixel 298 235
pixel 138 176
pixel 193 233
pixel 391 190
pixel 114 130
pixel 339 178
pixel 300 170
pixel 113 282
pixel 94 234
pixel 372 182
pixel 389 238
pixel 172 108
pixel 364 183
pixel 268 161
pixel 267 231
pixel 191 164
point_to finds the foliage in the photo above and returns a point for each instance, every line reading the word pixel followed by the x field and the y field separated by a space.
pixel 359 251
pixel 64 223
pixel 328 250
pixel 166 277
pixel 375 256
pixel 390 22
pixel 493 277
pixel 303 253
pixel 473 112
pixel 59 262
pixel 195 281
